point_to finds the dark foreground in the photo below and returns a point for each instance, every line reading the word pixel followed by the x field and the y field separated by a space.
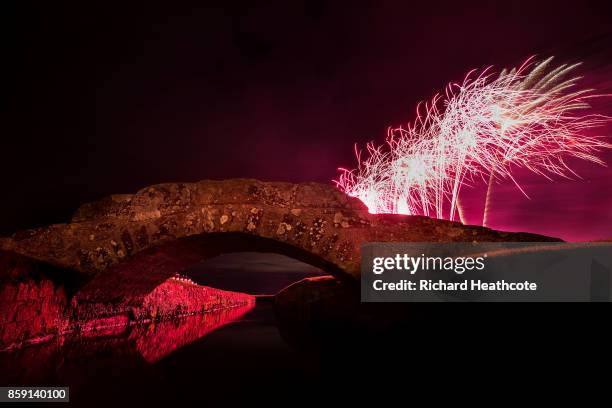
pixel 244 360
pixel 246 356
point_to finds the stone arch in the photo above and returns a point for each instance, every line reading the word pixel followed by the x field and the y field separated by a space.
pixel 166 225
pixel 314 217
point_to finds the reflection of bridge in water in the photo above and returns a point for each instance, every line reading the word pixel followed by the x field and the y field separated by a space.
pixel 156 340
pixel 144 342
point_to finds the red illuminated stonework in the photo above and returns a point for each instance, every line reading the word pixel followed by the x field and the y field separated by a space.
pixel 31 310
pixel 113 265
pixel 176 298
pixel 34 311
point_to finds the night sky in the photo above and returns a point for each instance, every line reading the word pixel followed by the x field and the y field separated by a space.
pixel 112 98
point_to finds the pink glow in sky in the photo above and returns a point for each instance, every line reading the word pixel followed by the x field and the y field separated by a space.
pixel 533 127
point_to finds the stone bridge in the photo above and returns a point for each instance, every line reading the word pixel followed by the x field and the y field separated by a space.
pixel 126 245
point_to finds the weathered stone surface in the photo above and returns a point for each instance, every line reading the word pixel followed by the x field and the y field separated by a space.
pixel 314 218
pixel 33 299
pixel 35 304
pixel 173 298
pixel 31 309
pixel 125 246
pixel 36 311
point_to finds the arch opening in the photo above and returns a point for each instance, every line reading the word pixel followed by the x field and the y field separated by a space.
pixel 254 273
pixel 138 276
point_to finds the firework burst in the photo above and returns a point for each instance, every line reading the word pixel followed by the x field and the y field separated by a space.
pixel 531 117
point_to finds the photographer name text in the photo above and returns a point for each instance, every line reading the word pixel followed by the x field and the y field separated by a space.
pixel 459 265
pixel 466 285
